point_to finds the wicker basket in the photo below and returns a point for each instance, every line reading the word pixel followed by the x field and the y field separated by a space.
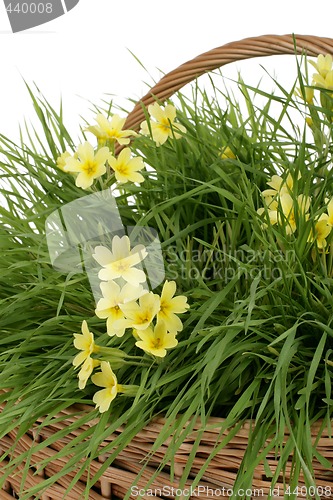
pixel 219 478
pixel 118 478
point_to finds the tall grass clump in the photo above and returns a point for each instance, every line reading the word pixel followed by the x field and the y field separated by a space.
pixel 241 199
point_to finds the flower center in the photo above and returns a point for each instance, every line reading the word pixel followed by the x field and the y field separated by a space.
pixel 114 312
pixel 156 343
pixel 121 266
pixel 164 308
pixel 122 169
pixel 165 125
pixel 142 318
pixel 89 168
pixel 113 134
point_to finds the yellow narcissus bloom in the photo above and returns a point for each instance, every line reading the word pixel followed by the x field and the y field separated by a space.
pixel 323 64
pixel 88 165
pixel 139 315
pixel 109 306
pixel 162 124
pixel 156 341
pixel 119 263
pixel 126 168
pixel 107 379
pixel 170 306
pixel 84 343
pixel 111 130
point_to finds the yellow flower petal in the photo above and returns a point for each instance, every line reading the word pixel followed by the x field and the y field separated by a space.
pixel 111 130
pixel 107 379
pixel 87 165
pixel 156 341
pixel 79 359
pixel 126 168
pixel 119 263
pixel 85 343
pixel 104 398
pixel 170 305
pixel 162 125
pixel 139 316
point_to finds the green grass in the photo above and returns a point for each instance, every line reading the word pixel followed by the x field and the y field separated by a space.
pixel 258 338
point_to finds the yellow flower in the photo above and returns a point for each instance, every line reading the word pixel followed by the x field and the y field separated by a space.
pixel 126 168
pixel 112 130
pixel 88 165
pixel 278 185
pixel 323 226
pixel 170 306
pixel 289 214
pixel 139 315
pixel 272 208
pixel 107 379
pixel 86 370
pixel 227 153
pixel 323 64
pixel 322 231
pixel 84 343
pixel 119 263
pixel 324 77
pixel 162 124
pixel 325 82
pixel 307 95
pixel 330 212
pixel 109 306
pixel 309 122
pixel 61 160
pixel 156 341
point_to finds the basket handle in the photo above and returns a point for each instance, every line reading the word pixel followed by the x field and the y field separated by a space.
pixel 265 45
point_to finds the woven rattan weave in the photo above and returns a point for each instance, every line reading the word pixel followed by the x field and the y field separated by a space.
pixel 118 478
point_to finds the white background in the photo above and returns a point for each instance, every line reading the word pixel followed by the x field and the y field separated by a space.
pixel 85 54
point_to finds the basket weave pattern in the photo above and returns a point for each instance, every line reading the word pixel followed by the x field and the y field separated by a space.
pixel 118 478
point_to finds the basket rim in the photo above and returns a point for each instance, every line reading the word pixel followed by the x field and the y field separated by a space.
pixel 246 48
